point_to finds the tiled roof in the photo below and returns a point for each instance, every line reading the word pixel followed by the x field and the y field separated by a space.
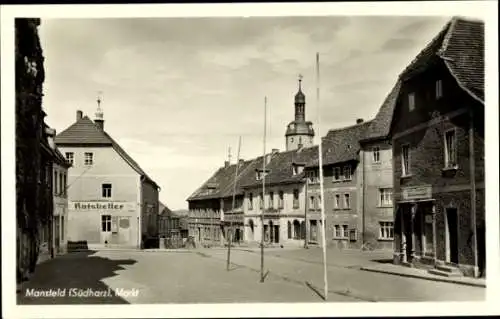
pixel 85 132
pixel 163 209
pixel 460 44
pixel 380 125
pixel 220 185
pixel 342 145
pixel 463 53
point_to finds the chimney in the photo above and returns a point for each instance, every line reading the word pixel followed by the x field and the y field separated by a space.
pixel 359 121
pixel 275 151
pixel 79 115
pixel 241 161
pixel 226 164
pixel 51 133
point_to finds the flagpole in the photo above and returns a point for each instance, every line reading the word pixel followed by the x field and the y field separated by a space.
pixel 230 231
pixel 322 203
pixel 263 195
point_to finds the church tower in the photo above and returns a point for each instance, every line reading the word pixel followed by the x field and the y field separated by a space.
pixel 99 115
pixel 299 133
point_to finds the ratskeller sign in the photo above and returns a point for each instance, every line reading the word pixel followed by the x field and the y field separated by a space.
pixel 102 205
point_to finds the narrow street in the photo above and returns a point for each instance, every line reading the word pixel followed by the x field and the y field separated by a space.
pixel 200 276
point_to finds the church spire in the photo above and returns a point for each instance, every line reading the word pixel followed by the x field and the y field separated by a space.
pixel 99 114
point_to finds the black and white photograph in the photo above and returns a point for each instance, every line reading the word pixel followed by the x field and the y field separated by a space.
pixel 276 155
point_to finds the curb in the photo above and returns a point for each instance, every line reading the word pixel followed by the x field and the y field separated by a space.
pixel 451 281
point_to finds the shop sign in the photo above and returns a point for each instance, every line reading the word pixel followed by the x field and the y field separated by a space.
pixel 417 192
pixel 109 206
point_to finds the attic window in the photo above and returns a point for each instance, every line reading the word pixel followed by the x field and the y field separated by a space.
pixel 297 169
pixel 259 174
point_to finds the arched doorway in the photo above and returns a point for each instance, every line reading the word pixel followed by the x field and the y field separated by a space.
pixel 271 231
pixel 252 229
pixel 296 229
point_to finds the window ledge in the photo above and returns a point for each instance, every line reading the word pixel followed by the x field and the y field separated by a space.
pixel 377 163
pixel 341 238
pixel 405 176
pixel 450 168
pixel 385 206
pixel 385 239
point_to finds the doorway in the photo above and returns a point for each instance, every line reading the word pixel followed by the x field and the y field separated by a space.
pixel 452 228
pixel 276 233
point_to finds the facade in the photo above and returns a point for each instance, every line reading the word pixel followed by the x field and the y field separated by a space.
pixel 342 172
pixel 376 180
pixel 112 201
pixel 34 157
pixel 438 145
pixel 59 190
pixel 171 224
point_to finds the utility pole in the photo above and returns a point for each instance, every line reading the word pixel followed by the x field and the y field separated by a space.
pixel 263 194
pixel 230 230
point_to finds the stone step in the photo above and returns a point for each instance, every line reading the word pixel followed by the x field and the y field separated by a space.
pixel 446 268
pixel 444 273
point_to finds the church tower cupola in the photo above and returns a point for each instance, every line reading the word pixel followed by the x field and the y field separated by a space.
pixel 300 132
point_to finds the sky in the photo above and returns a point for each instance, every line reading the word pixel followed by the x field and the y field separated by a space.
pixel 178 92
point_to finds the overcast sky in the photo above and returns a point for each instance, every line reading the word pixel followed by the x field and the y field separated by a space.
pixel 178 92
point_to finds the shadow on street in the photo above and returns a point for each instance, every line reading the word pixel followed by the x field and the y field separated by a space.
pixel 75 278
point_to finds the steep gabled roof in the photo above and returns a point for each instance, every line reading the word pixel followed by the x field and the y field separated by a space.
pixel 85 132
pixel 342 144
pixel 460 44
pixel 381 124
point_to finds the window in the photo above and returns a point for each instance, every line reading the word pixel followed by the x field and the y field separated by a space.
pixel 347 172
pixel 376 154
pixel 106 190
pixel 311 202
pixel 341 231
pixel 405 160
pixel 337 201
pixel 295 198
pixel 261 200
pixel 450 149
pixel 62 227
pixel 106 223
pixel 411 101
pixel 65 185
pixel 289 230
pixel 70 157
pixel 61 187
pixel 318 203
pixel 312 177
pixel 280 199
pixel 345 231
pixel 250 201
pixel 439 89
pixel 88 158
pixel 336 174
pixel 347 201
pixel 56 183
pixel 386 230
pixel 271 200
pixel 385 197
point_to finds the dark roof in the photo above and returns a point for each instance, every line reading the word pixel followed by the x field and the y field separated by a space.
pixel 85 132
pixel 463 53
pixel 220 185
pixel 380 125
pixel 163 209
pixel 342 144
pixel 460 44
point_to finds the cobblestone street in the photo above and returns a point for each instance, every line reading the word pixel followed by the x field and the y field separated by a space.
pixel 200 276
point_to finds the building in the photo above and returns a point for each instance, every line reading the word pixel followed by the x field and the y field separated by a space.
pixel 437 135
pixel 172 224
pixel 34 156
pixel 59 190
pixel 342 176
pixel 376 180
pixel 112 201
